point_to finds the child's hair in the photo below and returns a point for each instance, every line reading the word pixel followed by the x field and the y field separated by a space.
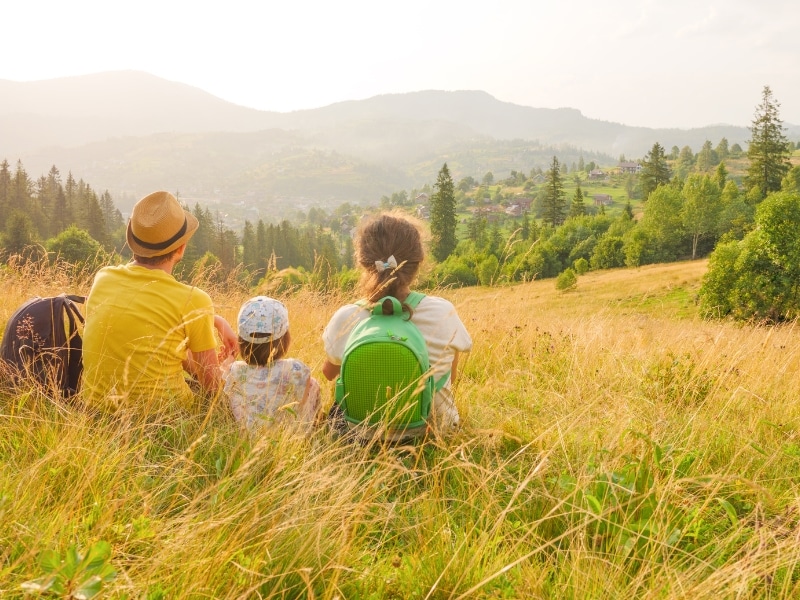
pixel 264 353
pixel 379 238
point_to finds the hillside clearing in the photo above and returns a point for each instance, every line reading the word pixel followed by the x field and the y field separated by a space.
pixel 613 445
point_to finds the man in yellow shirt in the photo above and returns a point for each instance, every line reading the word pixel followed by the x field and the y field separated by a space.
pixel 144 329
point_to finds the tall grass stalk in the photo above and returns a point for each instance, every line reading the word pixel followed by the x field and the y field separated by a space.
pixel 613 445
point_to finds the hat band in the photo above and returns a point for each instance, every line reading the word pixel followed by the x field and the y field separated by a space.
pixel 162 245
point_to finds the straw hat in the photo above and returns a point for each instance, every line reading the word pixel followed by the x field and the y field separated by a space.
pixel 159 225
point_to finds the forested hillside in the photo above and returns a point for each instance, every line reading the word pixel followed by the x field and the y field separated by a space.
pixel 131 133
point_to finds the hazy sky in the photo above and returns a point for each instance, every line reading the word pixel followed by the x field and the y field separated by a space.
pixel 657 63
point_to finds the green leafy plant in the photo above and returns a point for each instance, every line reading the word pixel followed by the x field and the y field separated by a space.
pixel 74 575
pixel 628 508
pixel 567 280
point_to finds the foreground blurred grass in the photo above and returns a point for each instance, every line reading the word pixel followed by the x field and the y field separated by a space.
pixel 613 446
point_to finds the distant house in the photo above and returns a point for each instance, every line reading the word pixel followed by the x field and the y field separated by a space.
pixel 629 167
pixel 422 212
pixel 524 203
pixel 539 178
pixel 515 210
pixel 596 174
pixel 422 198
pixel 602 200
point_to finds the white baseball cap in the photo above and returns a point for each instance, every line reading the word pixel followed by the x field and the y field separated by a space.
pixel 262 319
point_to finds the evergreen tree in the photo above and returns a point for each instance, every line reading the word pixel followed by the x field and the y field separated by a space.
pixel 655 170
pixel 768 150
pixel 722 149
pixel 5 191
pixel 70 197
pixel 112 218
pixel 525 230
pixel 554 203
pixel 262 252
pixel 791 183
pixel 685 163
pixel 721 175
pixel 577 207
pixel 19 235
pixel 707 157
pixel 628 210
pixel 443 216
pixel 249 248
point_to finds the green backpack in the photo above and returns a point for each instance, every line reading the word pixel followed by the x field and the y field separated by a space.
pixel 386 375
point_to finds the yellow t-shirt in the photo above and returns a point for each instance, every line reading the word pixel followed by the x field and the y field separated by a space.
pixel 139 324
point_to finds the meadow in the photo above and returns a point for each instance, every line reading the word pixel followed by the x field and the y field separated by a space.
pixel 613 445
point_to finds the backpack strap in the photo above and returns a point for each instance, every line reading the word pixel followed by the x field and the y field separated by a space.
pixel 413 299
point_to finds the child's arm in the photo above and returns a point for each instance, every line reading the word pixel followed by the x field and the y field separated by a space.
pixel 311 404
pixel 330 370
pixel 454 367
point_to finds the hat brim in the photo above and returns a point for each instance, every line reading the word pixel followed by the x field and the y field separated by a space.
pixel 191 226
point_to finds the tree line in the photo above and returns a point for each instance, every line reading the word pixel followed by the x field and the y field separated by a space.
pixel 751 229
pixel 69 221
pixel 688 204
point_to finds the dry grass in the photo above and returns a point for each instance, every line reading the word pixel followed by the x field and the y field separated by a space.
pixel 614 445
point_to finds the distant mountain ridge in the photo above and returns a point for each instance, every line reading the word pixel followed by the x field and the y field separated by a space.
pixel 113 128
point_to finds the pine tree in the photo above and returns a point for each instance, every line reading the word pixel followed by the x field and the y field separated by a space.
pixel 525 230
pixel 262 251
pixel 443 216
pixel 21 189
pixel 768 150
pixel 577 207
pixel 249 248
pixel 70 197
pixel 554 203
pixel 655 170
pixel 5 191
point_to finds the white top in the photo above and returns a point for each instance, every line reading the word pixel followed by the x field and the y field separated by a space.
pixel 438 323
pixel 263 395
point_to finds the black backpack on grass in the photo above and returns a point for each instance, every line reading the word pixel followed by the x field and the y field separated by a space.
pixel 42 343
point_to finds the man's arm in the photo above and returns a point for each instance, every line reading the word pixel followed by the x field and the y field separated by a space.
pixel 204 366
pixel 230 341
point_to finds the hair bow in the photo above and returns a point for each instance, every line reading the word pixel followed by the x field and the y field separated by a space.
pixel 391 263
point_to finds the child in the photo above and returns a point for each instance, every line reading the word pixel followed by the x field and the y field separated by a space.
pixel 389 252
pixel 264 388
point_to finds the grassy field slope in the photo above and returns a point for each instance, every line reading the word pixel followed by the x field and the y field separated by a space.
pixel 613 446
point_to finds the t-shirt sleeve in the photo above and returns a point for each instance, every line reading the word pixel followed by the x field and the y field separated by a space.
pixel 198 321
pixel 338 329
pixel 442 325
pixel 461 339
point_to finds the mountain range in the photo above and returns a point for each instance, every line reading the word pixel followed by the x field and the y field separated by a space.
pixel 131 132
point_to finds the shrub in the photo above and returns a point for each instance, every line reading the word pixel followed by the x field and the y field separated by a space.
pixel 566 280
pixel 581 266
pixel 454 272
pixel 487 270
pixel 76 247
pixel 608 253
pixel 757 278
